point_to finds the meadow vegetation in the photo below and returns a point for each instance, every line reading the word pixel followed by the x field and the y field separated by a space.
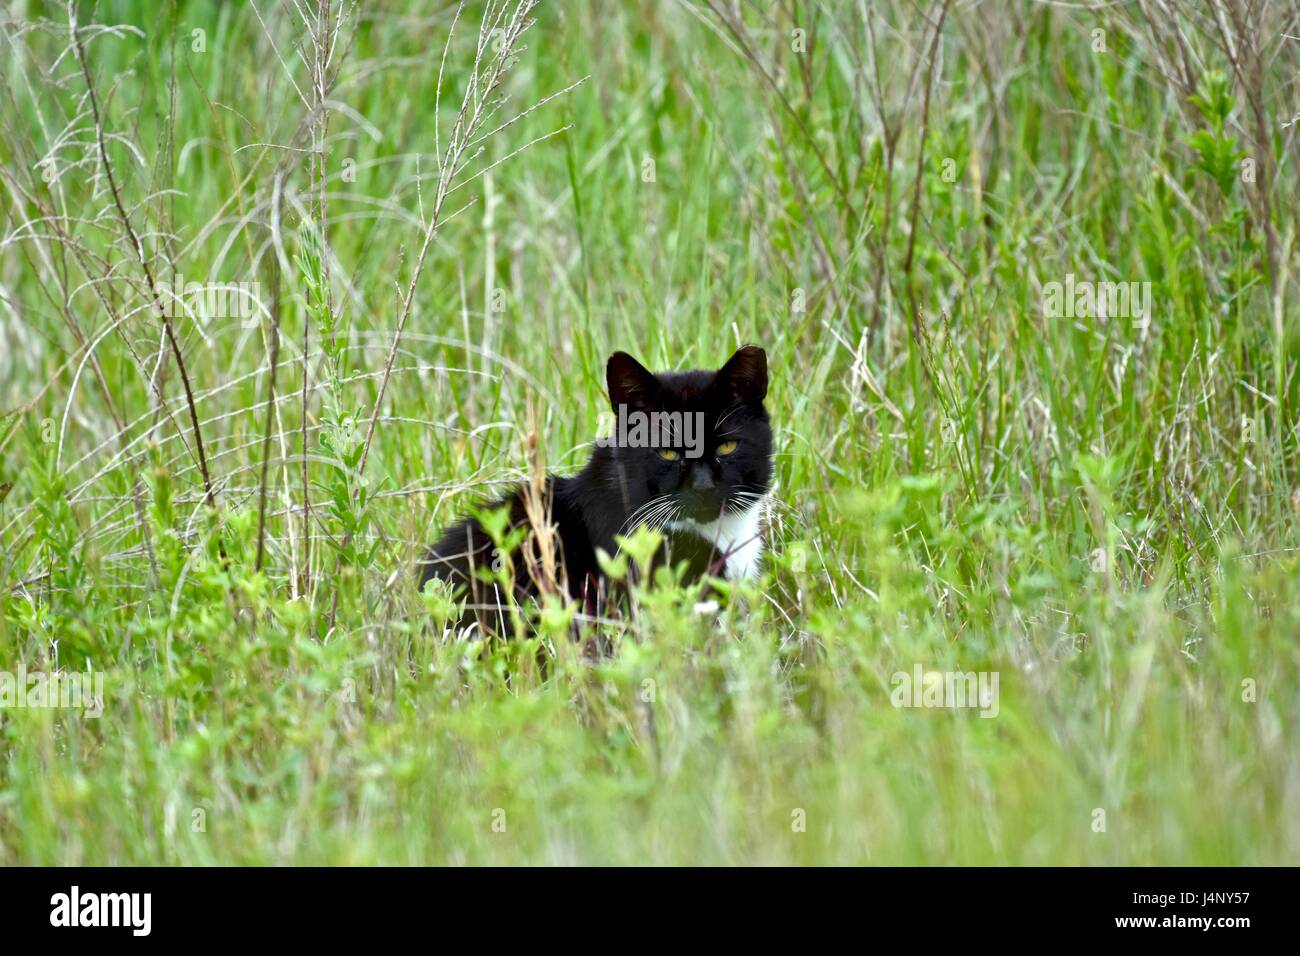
pixel 439 221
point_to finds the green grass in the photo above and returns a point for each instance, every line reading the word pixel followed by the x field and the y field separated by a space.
pixel 1103 514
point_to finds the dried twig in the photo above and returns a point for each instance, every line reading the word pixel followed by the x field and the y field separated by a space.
pixel 143 260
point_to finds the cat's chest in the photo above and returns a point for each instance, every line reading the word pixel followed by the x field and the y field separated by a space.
pixel 736 539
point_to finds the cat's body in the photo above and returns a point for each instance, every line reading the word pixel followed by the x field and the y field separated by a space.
pixel 702 481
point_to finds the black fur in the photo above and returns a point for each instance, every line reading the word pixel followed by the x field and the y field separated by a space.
pixel 591 507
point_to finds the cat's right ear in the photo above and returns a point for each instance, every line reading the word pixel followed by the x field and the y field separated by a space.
pixel 630 383
pixel 745 375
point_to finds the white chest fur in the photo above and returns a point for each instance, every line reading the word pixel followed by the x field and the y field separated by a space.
pixel 738 536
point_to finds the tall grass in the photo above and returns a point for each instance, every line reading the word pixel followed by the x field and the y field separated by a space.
pixel 449 217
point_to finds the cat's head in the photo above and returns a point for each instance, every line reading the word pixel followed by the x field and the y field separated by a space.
pixel 698 442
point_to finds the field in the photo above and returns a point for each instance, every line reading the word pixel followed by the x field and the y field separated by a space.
pixel 1026 275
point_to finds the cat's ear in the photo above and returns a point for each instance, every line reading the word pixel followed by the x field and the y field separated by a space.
pixel 630 383
pixel 745 375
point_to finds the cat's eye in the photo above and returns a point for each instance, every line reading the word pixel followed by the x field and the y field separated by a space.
pixel 669 454
pixel 726 448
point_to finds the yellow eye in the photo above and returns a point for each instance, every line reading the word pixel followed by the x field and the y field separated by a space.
pixel 668 454
pixel 726 448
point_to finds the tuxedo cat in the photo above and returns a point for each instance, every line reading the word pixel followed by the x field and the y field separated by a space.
pixel 691 456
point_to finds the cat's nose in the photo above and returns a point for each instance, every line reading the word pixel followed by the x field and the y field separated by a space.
pixel 702 479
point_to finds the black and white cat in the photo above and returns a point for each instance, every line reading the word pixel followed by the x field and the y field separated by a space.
pixel 696 464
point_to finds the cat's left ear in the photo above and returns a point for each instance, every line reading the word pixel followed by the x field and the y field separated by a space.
pixel 745 375
pixel 630 383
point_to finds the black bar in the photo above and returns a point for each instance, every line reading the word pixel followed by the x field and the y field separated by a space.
pixel 333 906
